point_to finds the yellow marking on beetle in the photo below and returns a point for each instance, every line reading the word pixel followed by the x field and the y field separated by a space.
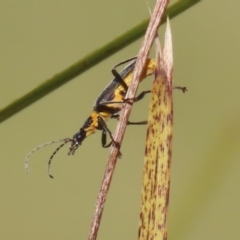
pixel 120 92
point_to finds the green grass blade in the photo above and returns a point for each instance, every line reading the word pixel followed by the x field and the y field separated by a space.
pixel 87 62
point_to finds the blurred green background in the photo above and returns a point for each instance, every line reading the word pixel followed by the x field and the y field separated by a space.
pixel 38 40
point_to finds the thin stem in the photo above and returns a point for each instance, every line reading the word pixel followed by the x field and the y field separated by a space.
pixel 114 151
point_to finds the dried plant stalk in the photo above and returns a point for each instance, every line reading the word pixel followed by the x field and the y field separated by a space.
pixel 114 151
pixel 157 162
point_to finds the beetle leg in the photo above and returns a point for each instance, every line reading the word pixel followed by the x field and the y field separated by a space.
pixel 184 89
pixel 104 136
pixel 117 75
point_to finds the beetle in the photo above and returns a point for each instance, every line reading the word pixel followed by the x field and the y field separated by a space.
pixel 108 105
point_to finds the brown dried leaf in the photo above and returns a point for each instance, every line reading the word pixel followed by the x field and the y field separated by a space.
pixel 157 162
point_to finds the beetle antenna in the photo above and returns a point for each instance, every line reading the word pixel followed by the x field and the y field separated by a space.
pixel 42 146
pixel 57 149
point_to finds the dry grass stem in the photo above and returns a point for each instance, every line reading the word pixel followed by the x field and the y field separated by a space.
pixel 114 151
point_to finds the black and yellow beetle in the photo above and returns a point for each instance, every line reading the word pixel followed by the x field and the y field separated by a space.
pixel 110 102
pixel 108 105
